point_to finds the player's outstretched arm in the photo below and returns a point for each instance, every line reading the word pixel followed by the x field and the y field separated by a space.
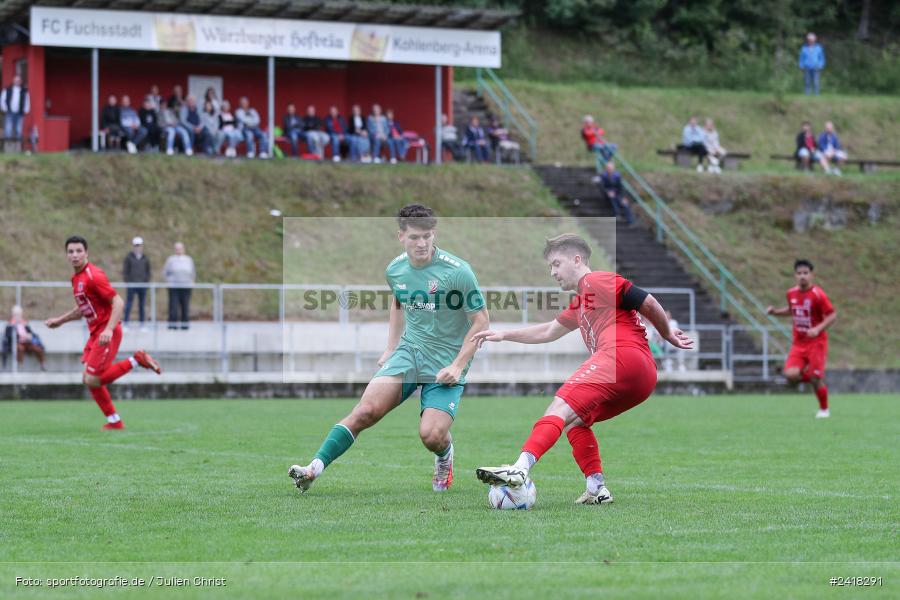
pixel 450 375
pixel 536 334
pixel 395 329
pixel 654 312
pixel 778 312
pixel 72 315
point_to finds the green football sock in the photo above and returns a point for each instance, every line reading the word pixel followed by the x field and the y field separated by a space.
pixel 445 451
pixel 338 440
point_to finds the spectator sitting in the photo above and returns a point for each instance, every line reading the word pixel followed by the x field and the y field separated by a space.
pixel 450 138
pixel 190 120
pixel 172 126
pixel 360 147
pixel 830 147
pixel 292 128
pixel 154 98
pixel 110 121
pixel 693 140
pixel 611 182
pixel 476 140
pixel 316 139
pixel 176 99
pixel 149 117
pixel 714 149
pixel 337 129
pixel 209 120
pixel 811 62
pixel 210 96
pixel 228 130
pixel 133 131
pixel 27 342
pixel 500 141
pixel 378 131
pixel 248 121
pixel 807 150
pixel 15 103
pixel 593 138
pixel 397 144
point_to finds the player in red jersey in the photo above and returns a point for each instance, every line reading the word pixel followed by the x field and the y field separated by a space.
pixel 98 302
pixel 619 375
pixel 813 314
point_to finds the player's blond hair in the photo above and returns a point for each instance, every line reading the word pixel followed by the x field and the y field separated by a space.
pixel 569 243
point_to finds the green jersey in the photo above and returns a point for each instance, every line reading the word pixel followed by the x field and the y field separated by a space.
pixel 435 300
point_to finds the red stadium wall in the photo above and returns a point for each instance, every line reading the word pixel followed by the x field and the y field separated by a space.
pixel 64 77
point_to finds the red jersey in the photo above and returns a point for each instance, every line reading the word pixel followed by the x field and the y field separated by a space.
pixel 93 295
pixel 808 309
pixel 592 135
pixel 597 311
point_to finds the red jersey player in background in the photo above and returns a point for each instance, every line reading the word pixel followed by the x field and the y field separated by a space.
pixel 619 375
pixel 813 314
pixel 98 302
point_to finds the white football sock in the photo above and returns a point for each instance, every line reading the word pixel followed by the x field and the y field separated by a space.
pixel 594 482
pixel 525 462
pixel 134 363
pixel 114 418
pixel 317 467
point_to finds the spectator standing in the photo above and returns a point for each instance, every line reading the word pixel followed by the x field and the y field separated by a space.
pixel 15 103
pixel 316 139
pixel 714 149
pixel 450 138
pixel 210 96
pixel 378 131
pixel 136 270
pixel 476 140
pixel 133 131
pixel 209 119
pixel 171 126
pixel 693 140
pixel 180 275
pixel 811 62
pixel 592 134
pixel 336 127
pixel 149 117
pixel 110 121
pixel 228 130
pixel 292 128
pixel 248 121
pixel 26 340
pixel 611 182
pixel 830 147
pixel 807 149
pixel 360 146
pixel 397 144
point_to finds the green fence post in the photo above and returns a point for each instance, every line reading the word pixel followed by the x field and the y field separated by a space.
pixel 659 227
pixel 723 303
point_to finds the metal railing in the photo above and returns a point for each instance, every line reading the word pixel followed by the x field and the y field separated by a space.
pixel 702 258
pixel 514 114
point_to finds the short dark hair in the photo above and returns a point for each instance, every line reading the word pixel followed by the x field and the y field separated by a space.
pixel 569 242
pixel 802 262
pixel 76 239
pixel 417 216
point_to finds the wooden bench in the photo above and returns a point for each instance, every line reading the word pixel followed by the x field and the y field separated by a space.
pixel 866 165
pixel 682 157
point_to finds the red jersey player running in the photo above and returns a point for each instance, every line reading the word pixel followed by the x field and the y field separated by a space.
pixel 619 375
pixel 813 314
pixel 98 302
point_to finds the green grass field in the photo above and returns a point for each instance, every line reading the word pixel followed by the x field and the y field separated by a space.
pixel 736 495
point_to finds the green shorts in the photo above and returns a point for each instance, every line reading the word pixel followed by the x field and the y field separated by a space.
pixel 417 369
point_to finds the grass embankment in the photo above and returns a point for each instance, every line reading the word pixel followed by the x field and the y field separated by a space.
pixel 748 222
pixel 642 120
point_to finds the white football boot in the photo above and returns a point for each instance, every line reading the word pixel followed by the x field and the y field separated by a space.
pixel 823 414
pixel 504 474
pixel 303 477
pixel 601 497
pixel 443 472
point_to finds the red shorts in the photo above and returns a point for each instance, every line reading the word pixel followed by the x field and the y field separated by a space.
pixel 593 401
pixel 97 358
pixel 811 354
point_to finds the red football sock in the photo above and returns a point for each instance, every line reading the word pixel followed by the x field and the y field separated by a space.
pixel 585 450
pixel 115 371
pixel 544 434
pixel 822 395
pixel 103 400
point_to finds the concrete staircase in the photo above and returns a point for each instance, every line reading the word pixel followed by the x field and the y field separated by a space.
pixel 643 260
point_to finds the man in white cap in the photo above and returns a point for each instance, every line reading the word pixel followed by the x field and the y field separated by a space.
pixel 136 270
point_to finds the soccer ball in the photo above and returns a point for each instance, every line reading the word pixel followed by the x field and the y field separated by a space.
pixel 503 497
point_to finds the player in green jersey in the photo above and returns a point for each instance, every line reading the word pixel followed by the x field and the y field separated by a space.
pixel 436 308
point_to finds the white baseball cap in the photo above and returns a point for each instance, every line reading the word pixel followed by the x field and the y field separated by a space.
pixel 138 241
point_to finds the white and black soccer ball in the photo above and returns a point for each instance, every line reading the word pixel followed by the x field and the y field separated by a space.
pixel 504 497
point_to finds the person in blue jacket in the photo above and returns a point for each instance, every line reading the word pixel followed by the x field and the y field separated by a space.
pixel 812 61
